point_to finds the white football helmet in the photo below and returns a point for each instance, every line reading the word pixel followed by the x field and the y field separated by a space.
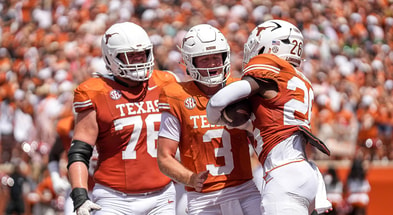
pixel 277 37
pixel 203 40
pixel 122 38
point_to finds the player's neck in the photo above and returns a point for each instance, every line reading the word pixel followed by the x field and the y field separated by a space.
pixel 208 91
pixel 127 82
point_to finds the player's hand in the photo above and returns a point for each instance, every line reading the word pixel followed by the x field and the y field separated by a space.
pixel 86 207
pixel 82 203
pixel 197 180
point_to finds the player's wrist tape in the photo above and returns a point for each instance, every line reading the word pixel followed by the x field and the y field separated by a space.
pixel 79 196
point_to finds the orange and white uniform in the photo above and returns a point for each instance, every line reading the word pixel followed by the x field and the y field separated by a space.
pixel 281 131
pixel 289 111
pixel 202 146
pixel 199 140
pixel 128 121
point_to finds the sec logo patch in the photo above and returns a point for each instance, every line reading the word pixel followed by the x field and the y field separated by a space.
pixel 115 94
pixel 190 103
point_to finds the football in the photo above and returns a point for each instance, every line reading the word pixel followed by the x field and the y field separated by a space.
pixel 237 114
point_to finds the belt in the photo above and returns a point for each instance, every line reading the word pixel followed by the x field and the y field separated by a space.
pixel 133 194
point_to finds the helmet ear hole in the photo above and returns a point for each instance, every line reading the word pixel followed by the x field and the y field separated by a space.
pixel 147 52
pixel 224 56
pixel 286 41
pixel 262 50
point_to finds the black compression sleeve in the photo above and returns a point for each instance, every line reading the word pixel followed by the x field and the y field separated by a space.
pixel 79 151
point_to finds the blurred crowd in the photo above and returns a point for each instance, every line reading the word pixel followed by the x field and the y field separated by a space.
pixel 48 47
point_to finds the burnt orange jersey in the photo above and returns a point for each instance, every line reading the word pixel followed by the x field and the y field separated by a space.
pixel 224 152
pixel 128 121
pixel 278 118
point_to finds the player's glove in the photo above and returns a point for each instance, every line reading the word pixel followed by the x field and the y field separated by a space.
pixel 82 203
pixel 86 207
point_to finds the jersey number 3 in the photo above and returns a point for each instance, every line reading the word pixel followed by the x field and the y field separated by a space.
pixel 224 151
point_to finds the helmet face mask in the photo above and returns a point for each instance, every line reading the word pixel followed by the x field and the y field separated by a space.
pixel 277 37
pixel 202 40
pixel 122 40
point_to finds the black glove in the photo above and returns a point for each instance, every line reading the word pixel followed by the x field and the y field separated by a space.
pixel 79 196
pixel 82 203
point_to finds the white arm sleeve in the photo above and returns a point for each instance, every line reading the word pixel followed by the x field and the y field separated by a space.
pixel 169 127
pixel 227 95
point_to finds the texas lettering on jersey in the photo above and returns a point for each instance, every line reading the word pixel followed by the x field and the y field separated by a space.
pixel 138 108
pixel 128 121
pixel 200 121
pixel 204 146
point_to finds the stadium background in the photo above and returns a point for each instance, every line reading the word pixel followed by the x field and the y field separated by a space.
pixel 49 46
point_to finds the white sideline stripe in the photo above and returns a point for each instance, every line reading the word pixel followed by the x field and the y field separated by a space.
pixel 82 104
pixel 163 106
pixel 262 67
pixel 78 103
pixel 265 65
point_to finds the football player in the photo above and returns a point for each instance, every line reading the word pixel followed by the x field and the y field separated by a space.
pixel 65 130
pixel 281 98
pixel 118 113
pixel 214 160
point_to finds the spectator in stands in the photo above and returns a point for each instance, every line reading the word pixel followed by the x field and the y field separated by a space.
pixel 349 45
pixel 357 188
pixel 17 181
pixel 334 191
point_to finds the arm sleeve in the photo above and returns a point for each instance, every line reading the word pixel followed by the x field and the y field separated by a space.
pixel 170 126
pixel 224 97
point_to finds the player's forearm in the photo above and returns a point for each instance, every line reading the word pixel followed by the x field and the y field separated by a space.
pixel 174 169
pixel 227 95
pixel 78 175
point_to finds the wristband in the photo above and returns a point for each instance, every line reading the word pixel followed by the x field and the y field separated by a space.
pixel 79 196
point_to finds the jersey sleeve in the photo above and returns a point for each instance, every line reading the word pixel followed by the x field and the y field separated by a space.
pixel 167 99
pixel 169 127
pixel 83 95
pixel 263 66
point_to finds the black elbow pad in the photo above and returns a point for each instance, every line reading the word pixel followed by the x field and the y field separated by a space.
pixel 79 151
